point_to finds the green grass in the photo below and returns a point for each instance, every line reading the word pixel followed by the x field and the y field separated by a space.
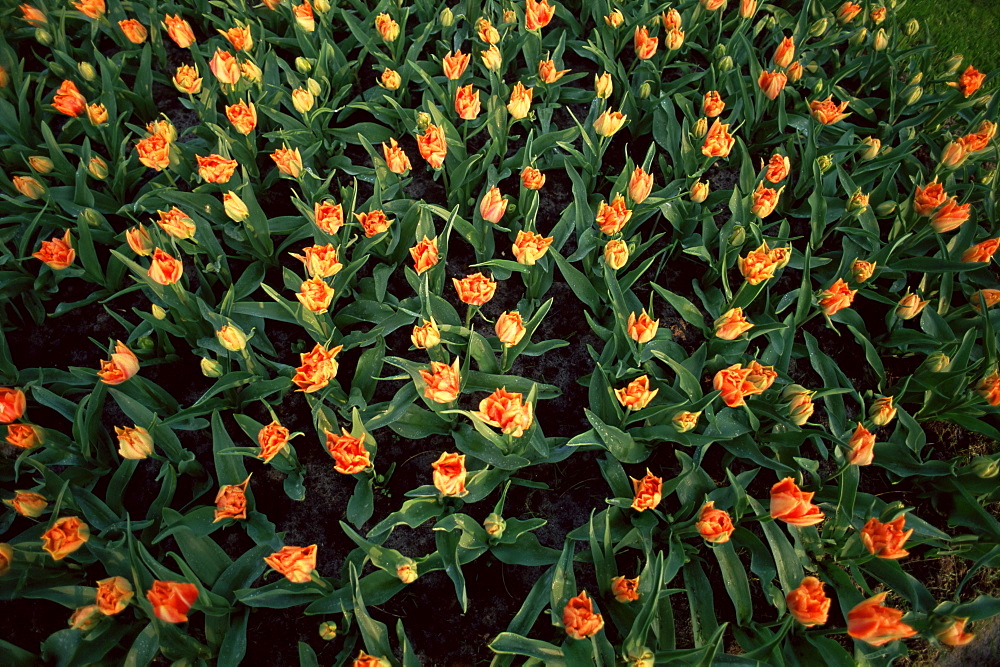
pixel 968 27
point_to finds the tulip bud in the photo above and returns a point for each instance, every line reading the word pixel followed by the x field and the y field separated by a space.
pixel 794 72
pixel 912 94
pixel 825 163
pixel 881 40
pixel 423 121
pixel 911 27
pixel 407 570
pixel 41 164
pixel 302 100
pixel 738 236
pixel 4 77
pixel 235 208
pixel 800 405
pixel 858 202
pixel 29 187
pixel 818 28
pixel 719 51
pixel 495 525
pixel 328 630
pixel 700 128
pixel 87 71
pixel 145 343
pixel 616 254
pixel 873 146
pixel 321 6
pixel 953 155
pixel 953 64
pixel 44 37
pixel 643 657
pixel 92 217
pixel 909 306
pixel 987 177
pixel 644 91
pixel 984 468
pixel 231 337
pixel 861 270
pixel 936 362
pixel 685 421
pixel 158 312
pixel 858 37
pixel 426 336
pixel 725 64
pixel 447 17
pixel 699 192
pixel 211 368
pixel 98 168
pixel 312 85
pixel 603 86
pixel 303 65
pixel 881 411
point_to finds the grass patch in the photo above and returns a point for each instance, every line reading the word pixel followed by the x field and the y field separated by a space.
pixel 968 27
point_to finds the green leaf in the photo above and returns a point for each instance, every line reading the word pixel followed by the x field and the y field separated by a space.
pixel 514 644
pixel 735 579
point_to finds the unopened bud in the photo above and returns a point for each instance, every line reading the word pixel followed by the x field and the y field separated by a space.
pixel 685 421
pixel 98 168
pixel 644 91
pixel 406 570
pixel 825 163
pixel 858 202
pixel 643 657
pixel 328 630
pixel 984 468
pixel 819 27
pixel 916 78
pixel 936 362
pixel 41 164
pixel 725 64
pixel 873 146
pixel 92 217
pixel 423 121
pixel 886 208
pixel 145 343
pixel 158 312
pixel 211 368
pixel 87 71
pixel 911 27
pixel 953 64
pixel 987 177
pixel 231 337
pixel 495 525
pixel 859 37
pixel 447 17
pixel 881 42
pixel 700 128
pixel 719 51
pixel 44 37
pixel 738 236
pixel 699 192
pixel 321 6
pixel 303 65
pixel 312 85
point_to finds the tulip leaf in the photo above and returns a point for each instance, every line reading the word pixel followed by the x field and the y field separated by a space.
pixel 735 579
pixel 515 644
pixel 361 505
pixel 621 445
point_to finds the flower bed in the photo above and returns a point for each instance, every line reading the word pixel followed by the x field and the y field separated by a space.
pixel 609 332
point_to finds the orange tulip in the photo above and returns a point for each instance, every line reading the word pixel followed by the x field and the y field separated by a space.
pixel 506 411
pixel 28 186
pixel 616 254
pixel 529 247
pixel 426 336
pixel 492 58
pixel 603 86
pixel 712 5
pixel 537 14
pixel 861 270
pixel 765 200
pixel 154 152
pixel 778 168
pixel 718 141
pixel 134 31
pixel 315 295
pixel 97 114
pixel 988 388
pixel 640 185
pixel 982 251
pixel 467 104
pixel 27 503
pixel 699 192
pixel 215 168
pixel 318 367
pixel 121 367
pixel 674 39
pixel 609 122
pixel 23 436
pixel 395 158
pixel 648 492
pixel 179 30
pixel 953 155
pixel 794 71
pixel 836 297
pixel 615 18
pixel 288 160
pixel 910 306
pixel 172 600
pixel 808 604
pixel 374 222
pixel 367 660
pixel 304 16
pixel 433 146
pixel 712 104
pixel 625 590
pixel 113 595
pixel 454 65
pixel 969 81
pixel 251 72
pixel 272 440
pixel 714 525
pixel 579 618
pixel 826 112
pixel 954 633
pixel 532 179
pixel 32 15
pixel 612 219
pixel 927 199
pixel 794 506
pixel 785 53
pixel 58 253
pixel 732 324
pixel 862 446
pixel 444 383
pixel 881 411
pixel 328 216
pixel 68 100
pixel 296 563
pixel 164 269
pixel 389 79
pixel 772 83
pixel 425 254
pixel 239 37
pixel 65 536
pixel 847 12
pixel 231 501
pixel 94 9
pixel 231 337
pixel 875 624
pixel 225 67
pixel 475 289
pixel 449 474
pixel 990 296
pixel 636 395
pixel 243 116
pixel 12 404
pixel 387 28
pixel 642 329
pixel 886 540
pixel 176 223
pixel 520 101
pixel 134 443
pixel 321 261
pixel 950 216
pixel 350 453
pixel 759 265
pixel 548 73
pixel 645 46
pixel 186 80
pixel 487 32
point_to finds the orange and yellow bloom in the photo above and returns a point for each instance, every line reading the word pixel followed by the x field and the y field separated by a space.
pixel 715 525
pixel 529 247
pixel 172 600
pixel 121 367
pixel 443 382
pixel 449 474
pixel 636 395
pixel 648 492
pixel 507 411
pixel 836 297
pixel 349 453
pixel 231 501
pixel 718 141
pixel 886 540
pixel 612 218
pixel 641 329
pixel 296 563
pixel 58 253
pixel 475 289
pixel 792 505
pixel 808 604
pixel 579 618
pixel 875 624
pixel 65 536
